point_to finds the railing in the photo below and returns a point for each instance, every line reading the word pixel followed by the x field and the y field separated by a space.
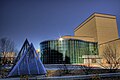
pixel 98 76
pixel 81 77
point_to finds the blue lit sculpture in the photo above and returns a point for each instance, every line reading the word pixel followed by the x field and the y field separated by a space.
pixel 28 64
pixel 24 48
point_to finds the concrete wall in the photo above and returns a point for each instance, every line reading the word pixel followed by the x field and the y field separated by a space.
pixel 87 28
pixel 106 28
pixel 114 45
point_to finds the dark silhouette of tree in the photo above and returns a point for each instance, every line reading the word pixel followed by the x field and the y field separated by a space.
pixel 52 57
pixel 67 60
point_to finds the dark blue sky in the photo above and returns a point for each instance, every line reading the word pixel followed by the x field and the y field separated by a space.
pixel 40 20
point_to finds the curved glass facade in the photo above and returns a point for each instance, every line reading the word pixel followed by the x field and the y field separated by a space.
pixel 69 51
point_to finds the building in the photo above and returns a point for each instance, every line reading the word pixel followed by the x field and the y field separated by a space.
pixel 69 51
pixel 94 34
pixel 101 27
pixel 8 58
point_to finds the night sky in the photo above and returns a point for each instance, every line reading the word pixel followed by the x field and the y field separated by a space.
pixel 40 20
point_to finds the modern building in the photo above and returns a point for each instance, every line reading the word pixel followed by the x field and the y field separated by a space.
pixel 88 42
pixel 69 51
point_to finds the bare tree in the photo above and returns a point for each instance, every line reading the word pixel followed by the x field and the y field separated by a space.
pixel 112 58
pixel 7 48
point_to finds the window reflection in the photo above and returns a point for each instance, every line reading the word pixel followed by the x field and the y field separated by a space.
pixel 67 50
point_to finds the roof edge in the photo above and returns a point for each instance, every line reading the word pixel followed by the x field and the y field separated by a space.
pixel 96 14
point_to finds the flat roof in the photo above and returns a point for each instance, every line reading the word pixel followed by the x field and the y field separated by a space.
pixel 91 39
pixel 95 15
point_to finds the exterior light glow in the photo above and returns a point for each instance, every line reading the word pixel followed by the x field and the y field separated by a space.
pixel 60 39
pixel 38 50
